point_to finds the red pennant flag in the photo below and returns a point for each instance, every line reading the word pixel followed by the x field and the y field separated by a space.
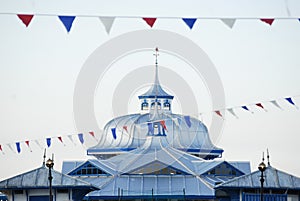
pixel 125 128
pixel 92 133
pixel 260 105
pixel 27 142
pixel 1 147
pixel 60 139
pixel 26 19
pixel 163 123
pixel 218 113
pixel 268 21
pixel 150 21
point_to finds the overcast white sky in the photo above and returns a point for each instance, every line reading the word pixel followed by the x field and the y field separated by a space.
pixel 256 62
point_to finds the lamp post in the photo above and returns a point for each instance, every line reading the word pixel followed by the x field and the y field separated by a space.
pixel 50 164
pixel 262 168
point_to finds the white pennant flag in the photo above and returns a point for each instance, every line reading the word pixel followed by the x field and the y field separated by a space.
pixel 232 112
pixel 38 144
pixel 71 139
pixel 107 22
pixel 229 22
pixel 274 102
pixel 175 120
pixel 10 147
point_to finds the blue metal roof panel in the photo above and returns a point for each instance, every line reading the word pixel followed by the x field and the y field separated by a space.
pixel 243 166
pixel 273 179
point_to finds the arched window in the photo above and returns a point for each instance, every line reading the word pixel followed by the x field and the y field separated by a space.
pixel 145 105
pixel 167 105
pixel 158 105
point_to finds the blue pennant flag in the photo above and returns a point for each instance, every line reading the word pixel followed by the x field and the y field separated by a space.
pixel 245 108
pixel 290 100
pixel 18 147
pixel 67 21
pixel 150 128
pixel 113 132
pixel 48 142
pixel 80 137
pixel 188 121
pixel 189 21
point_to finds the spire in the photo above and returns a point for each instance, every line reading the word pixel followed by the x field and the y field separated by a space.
pixel 268 157
pixel 44 158
pixel 156 91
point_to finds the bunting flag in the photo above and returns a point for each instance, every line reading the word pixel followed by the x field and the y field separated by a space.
pixel 107 22
pixel 246 108
pixel 149 21
pixel 229 22
pixel 125 128
pixel 189 21
pixel 274 102
pixel 9 146
pixel 18 147
pixel 175 120
pixel 61 140
pixel 261 106
pixel 268 21
pixel 67 21
pixel 1 149
pixel 113 132
pixel 232 112
pixel 26 19
pixel 219 113
pixel 92 133
pixel 71 139
pixel 291 102
pixel 163 124
pixel 38 144
pixel 27 143
pixel 80 137
pixel 188 121
pixel 150 128
pixel 48 140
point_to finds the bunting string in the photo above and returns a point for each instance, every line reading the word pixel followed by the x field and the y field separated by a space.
pixel 250 108
pixel 108 21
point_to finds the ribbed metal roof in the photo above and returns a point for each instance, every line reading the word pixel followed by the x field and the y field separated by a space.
pixel 274 179
pixel 38 179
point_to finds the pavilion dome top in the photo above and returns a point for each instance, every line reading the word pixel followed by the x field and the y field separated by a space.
pixel 156 91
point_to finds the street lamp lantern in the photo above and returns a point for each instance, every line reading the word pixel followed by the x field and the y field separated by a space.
pixel 262 167
pixel 50 164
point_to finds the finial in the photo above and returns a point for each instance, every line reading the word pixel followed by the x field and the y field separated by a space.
pixel 268 157
pixel 156 55
pixel 44 161
pixel 263 157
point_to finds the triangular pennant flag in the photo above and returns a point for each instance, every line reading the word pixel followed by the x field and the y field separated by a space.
pixel 18 147
pixel 175 120
pixel 291 101
pixel 80 137
pixel 26 19
pixel 232 112
pixel 125 128
pixel 1 149
pixel 71 139
pixel 245 108
pixel 229 22
pixel 219 113
pixel 163 124
pixel 149 21
pixel 274 102
pixel 261 106
pixel 113 132
pixel 150 128
pixel 61 140
pixel 38 144
pixel 107 22
pixel 92 133
pixel 189 21
pixel 268 21
pixel 10 147
pixel 48 140
pixel 67 21
pixel 188 121
pixel 27 143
